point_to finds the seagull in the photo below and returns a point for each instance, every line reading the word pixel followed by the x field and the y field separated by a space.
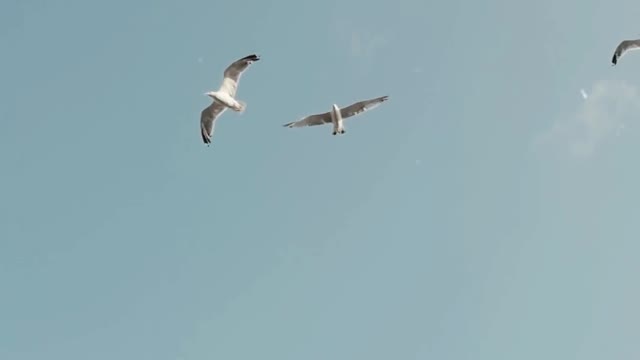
pixel 337 115
pixel 224 98
pixel 623 47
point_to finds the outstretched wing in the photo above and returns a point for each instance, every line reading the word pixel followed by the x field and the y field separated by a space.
pixel 208 118
pixel 623 47
pixel 361 106
pixel 311 120
pixel 233 73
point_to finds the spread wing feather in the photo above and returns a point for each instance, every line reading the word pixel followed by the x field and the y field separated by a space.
pixel 233 73
pixel 623 48
pixel 362 106
pixel 208 118
pixel 311 120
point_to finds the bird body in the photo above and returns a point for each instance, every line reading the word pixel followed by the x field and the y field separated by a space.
pixel 227 100
pixel 336 119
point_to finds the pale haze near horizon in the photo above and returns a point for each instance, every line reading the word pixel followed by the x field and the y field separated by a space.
pixel 486 211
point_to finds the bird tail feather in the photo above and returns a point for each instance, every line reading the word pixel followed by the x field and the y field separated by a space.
pixel 243 106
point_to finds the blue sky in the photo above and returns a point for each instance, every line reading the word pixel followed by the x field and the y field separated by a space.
pixel 486 211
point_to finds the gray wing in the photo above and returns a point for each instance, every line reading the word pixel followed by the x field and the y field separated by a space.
pixel 208 118
pixel 362 106
pixel 233 73
pixel 311 120
pixel 623 47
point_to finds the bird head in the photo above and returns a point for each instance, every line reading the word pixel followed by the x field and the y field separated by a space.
pixel 210 94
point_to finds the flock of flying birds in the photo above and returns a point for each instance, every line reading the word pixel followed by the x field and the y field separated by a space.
pixel 225 98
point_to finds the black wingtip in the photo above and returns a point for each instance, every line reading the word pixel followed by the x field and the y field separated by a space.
pixel 252 57
pixel 614 60
pixel 205 138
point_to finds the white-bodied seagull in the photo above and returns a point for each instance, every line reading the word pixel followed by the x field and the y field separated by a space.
pixel 337 115
pixel 225 98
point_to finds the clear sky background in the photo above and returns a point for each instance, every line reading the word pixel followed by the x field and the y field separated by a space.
pixel 486 211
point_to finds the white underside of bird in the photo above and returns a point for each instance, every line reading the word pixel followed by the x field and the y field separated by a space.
pixel 227 100
pixel 336 120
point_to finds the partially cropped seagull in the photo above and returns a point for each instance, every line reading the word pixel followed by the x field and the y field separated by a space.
pixel 224 98
pixel 337 115
pixel 623 48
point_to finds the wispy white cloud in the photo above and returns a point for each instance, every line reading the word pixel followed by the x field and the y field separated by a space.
pixel 361 40
pixel 584 94
pixel 600 115
pixel 365 44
